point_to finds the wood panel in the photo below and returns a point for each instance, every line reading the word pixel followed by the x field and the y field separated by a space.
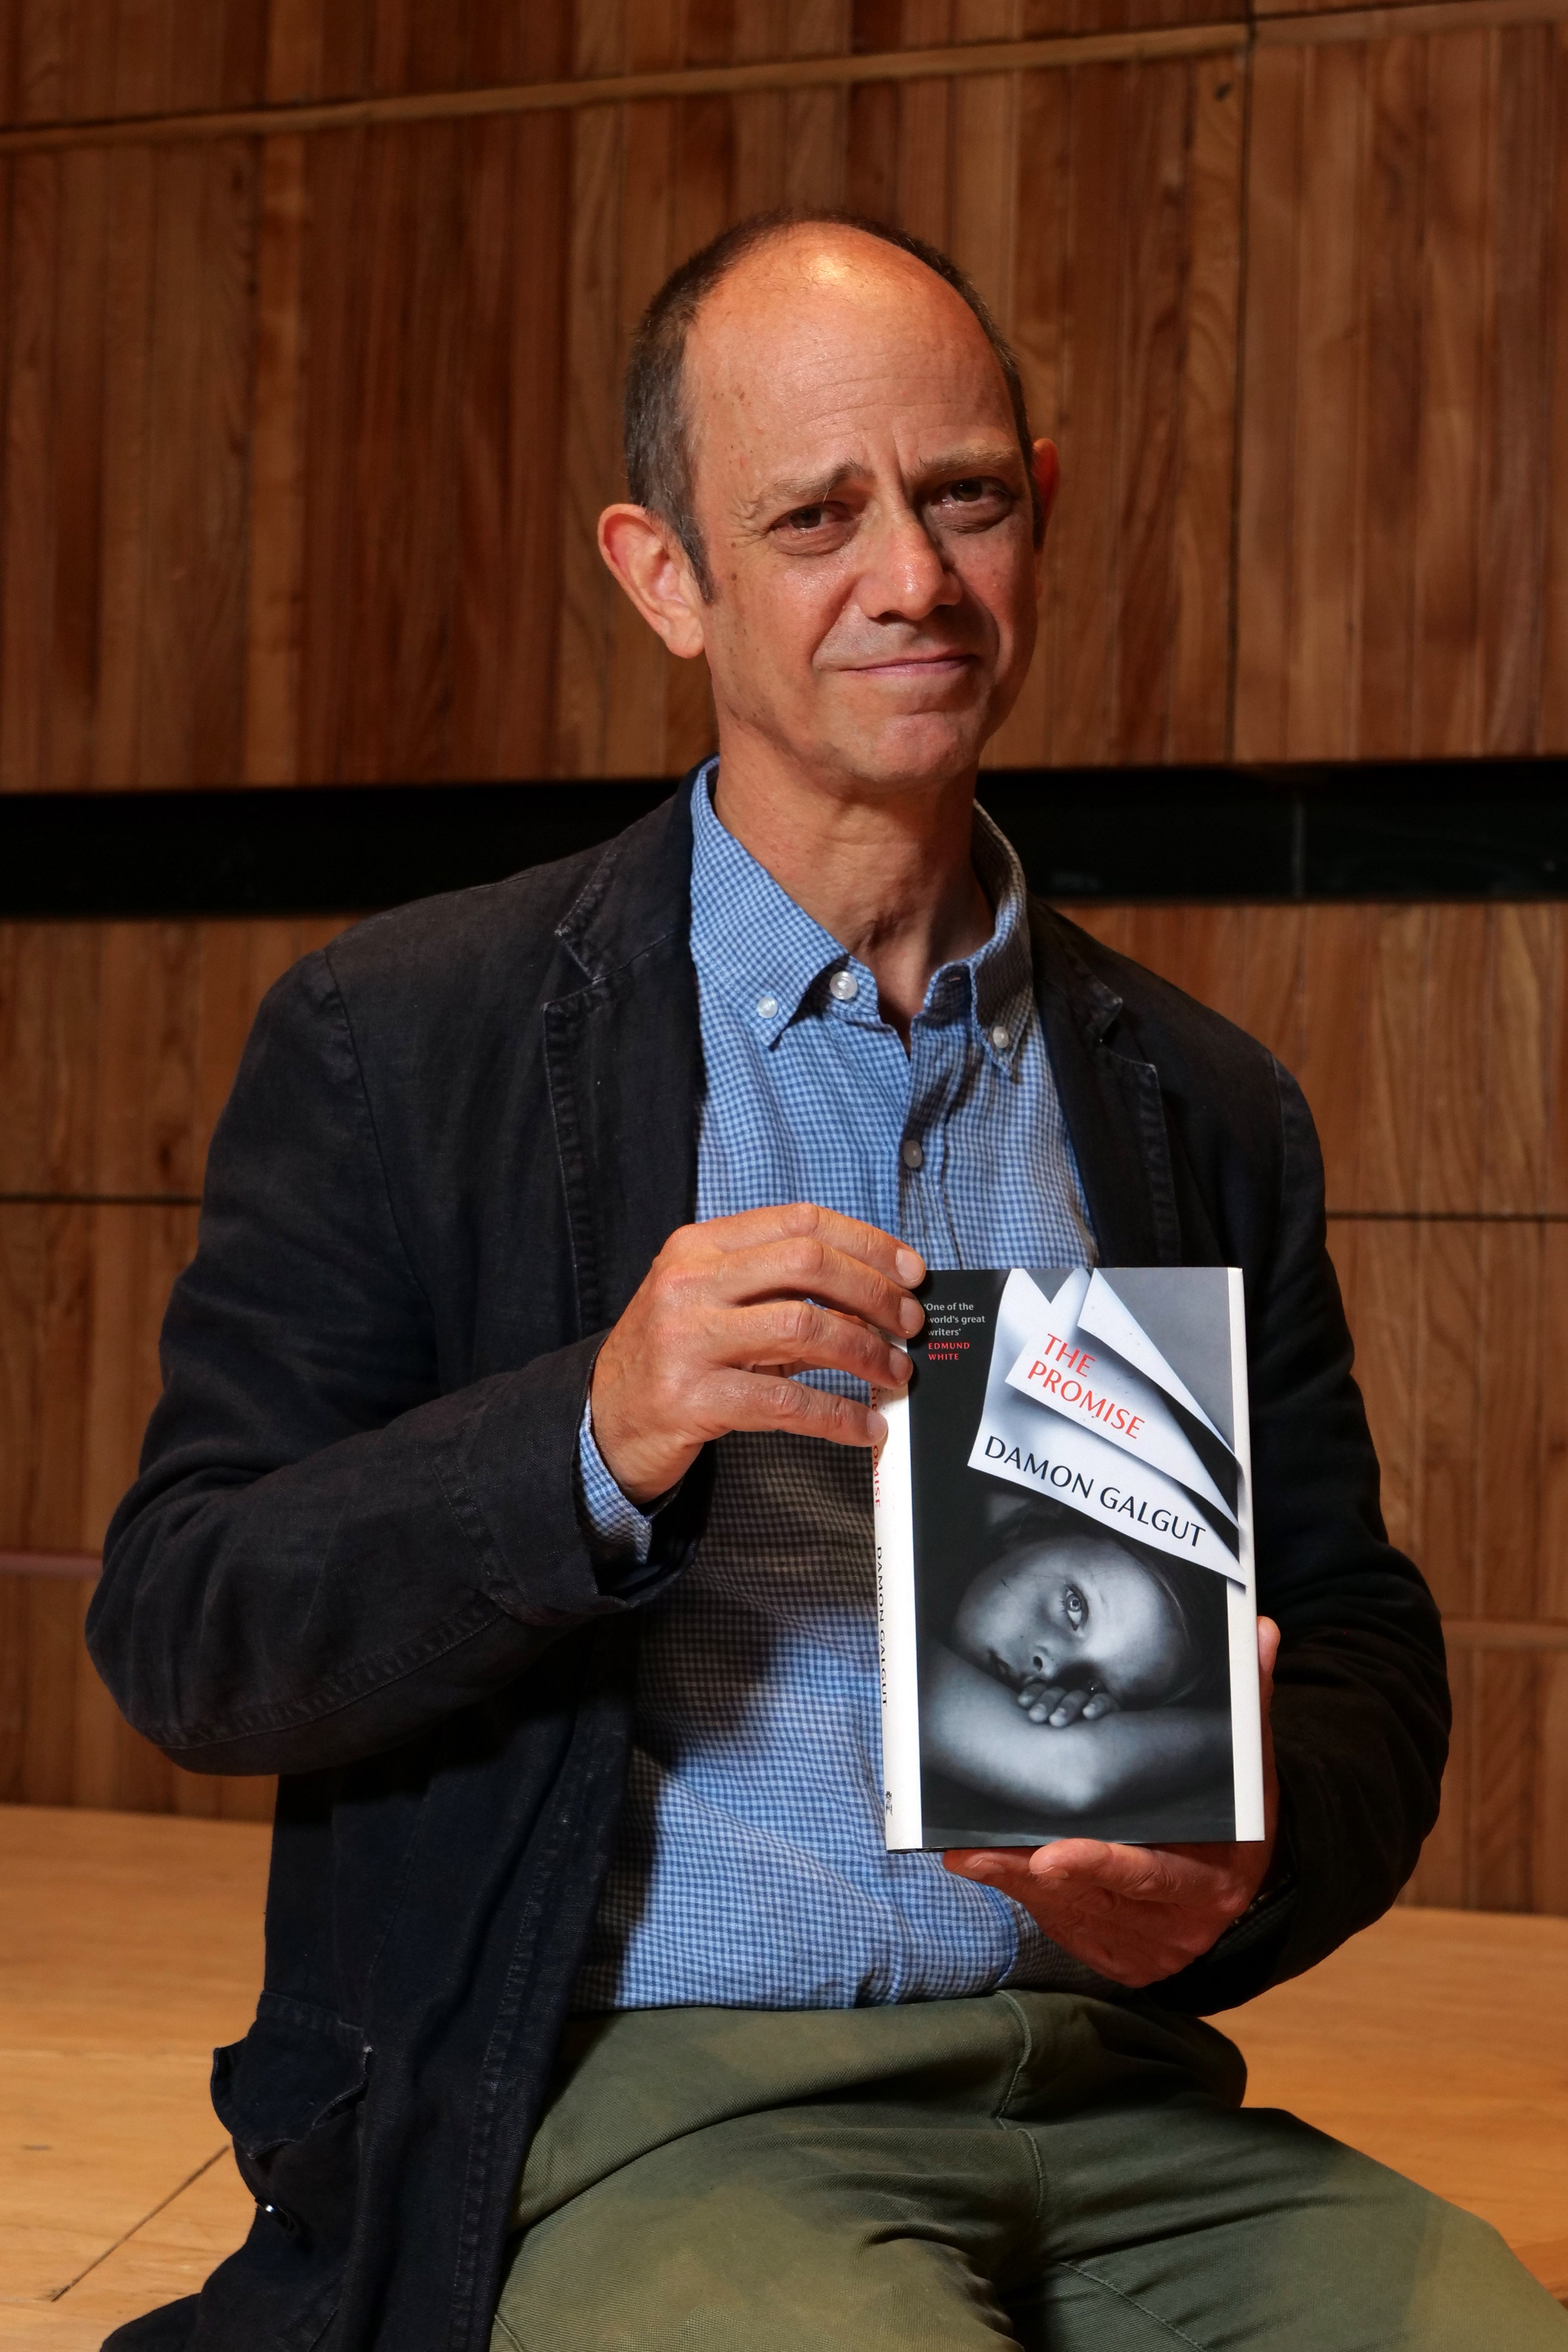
pixel 1402 495
pixel 99 61
pixel 127 375
pixel 304 434
pixel 305 438
pixel 117 1045
pixel 1432 1046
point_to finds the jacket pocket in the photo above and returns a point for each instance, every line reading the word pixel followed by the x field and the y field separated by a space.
pixel 290 2094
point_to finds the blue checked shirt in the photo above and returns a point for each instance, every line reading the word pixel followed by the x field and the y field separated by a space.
pixel 750 1868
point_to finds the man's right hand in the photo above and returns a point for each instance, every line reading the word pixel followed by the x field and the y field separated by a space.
pixel 728 1310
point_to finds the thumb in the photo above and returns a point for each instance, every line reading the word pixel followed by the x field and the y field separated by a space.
pixel 1267 1651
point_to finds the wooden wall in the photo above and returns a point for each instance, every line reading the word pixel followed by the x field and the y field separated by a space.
pixel 118 1044
pixel 1433 1043
pixel 308 412
pixel 308 401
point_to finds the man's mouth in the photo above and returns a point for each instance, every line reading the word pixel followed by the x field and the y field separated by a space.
pixel 917 666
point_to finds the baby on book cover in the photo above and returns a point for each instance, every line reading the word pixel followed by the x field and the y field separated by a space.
pixel 1065 1566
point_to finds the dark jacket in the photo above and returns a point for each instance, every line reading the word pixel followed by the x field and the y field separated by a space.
pixel 457 1139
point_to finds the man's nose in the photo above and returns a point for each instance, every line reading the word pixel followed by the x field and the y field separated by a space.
pixel 906 577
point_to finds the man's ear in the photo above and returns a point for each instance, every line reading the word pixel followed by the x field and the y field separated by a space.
pixel 652 567
pixel 1047 472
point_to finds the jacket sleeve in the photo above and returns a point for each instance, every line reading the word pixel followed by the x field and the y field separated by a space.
pixel 323 1554
pixel 1360 1709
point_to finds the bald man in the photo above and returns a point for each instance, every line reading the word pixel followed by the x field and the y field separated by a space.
pixel 508 1496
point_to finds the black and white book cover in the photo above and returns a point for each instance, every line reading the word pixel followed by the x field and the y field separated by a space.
pixel 1065 1572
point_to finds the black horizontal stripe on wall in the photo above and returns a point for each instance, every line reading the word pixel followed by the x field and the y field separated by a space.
pixel 1451 829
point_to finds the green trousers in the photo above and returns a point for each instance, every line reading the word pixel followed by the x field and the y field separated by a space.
pixel 1035 2169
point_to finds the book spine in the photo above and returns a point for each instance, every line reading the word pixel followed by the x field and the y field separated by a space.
pixel 892 1496
pixel 1246 1714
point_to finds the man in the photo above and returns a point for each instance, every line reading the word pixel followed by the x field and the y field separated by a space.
pixel 509 1495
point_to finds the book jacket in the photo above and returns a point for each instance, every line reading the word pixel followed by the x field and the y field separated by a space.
pixel 1065 1577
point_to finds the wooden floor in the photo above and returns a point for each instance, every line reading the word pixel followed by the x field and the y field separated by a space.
pixel 130 1944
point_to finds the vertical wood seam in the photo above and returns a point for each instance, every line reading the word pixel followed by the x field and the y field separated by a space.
pixel 1239 397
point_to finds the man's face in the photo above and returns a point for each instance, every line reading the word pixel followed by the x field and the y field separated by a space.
pixel 866 511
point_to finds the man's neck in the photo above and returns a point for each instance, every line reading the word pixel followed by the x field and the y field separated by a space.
pixel 890 877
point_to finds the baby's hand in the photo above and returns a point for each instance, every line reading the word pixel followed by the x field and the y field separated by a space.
pixel 1050 1703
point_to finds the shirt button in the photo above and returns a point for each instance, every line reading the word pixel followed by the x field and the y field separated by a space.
pixel 910 1153
pixel 999 1037
pixel 844 986
pixel 766 1007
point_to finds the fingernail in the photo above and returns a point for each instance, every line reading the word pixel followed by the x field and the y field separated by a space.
pixel 903 1370
pixel 875 1426
pixel 912 1315
pixel 911 1269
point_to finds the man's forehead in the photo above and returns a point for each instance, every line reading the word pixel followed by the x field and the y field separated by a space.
pixel 794 329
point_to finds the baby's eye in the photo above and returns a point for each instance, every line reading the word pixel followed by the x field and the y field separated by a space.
pixel 1075 1607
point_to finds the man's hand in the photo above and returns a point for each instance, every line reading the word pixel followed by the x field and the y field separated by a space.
pixel 728 1310
pixel 1139 1913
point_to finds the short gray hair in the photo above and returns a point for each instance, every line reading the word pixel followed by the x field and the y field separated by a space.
pixel 657 424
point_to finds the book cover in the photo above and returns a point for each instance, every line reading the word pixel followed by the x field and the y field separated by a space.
pixel 1065 1578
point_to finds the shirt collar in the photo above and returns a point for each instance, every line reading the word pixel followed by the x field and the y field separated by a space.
pixel 774 961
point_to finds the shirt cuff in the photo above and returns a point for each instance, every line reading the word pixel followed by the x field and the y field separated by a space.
pixel 619 1535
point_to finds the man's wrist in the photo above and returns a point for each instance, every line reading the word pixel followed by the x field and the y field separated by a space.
pixel 620 1532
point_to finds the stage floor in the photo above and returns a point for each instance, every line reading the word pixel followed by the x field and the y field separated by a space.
pixel 130 1944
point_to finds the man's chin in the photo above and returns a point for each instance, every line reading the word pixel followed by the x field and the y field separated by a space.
pixel 924 749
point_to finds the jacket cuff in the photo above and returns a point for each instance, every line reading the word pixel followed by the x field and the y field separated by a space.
pixel 511 1480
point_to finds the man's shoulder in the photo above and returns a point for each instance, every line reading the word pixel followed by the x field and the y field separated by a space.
pixel 1199 1053
pixel 508 944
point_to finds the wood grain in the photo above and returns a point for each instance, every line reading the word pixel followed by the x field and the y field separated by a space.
pixel 1268 495
pixel 1351 2047
pixel 1453 422
pixel 275 516
pixel 1431 1046
pixel 1401 469
pixel 1198 708
pixel 107 2100
pixel 274 523
pixel 1519 347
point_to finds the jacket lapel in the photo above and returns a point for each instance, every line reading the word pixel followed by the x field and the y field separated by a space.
pixel 1112 1101
pixel 622 1050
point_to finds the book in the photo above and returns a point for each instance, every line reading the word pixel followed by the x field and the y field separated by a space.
pixel 1065 1587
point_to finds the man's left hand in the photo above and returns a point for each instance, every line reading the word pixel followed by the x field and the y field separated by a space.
pixel 1139 1913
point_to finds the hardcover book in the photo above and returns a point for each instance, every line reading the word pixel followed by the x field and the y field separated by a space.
pixel 1065 1577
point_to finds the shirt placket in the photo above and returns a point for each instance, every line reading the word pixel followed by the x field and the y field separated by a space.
pixel 936 1060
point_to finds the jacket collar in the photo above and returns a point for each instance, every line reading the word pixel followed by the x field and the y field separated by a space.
pixel 638 894
pixel 623 1060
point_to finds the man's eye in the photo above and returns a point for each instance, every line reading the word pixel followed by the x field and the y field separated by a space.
pixel 975 490
pixel 805 518
pixel 1075 1606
